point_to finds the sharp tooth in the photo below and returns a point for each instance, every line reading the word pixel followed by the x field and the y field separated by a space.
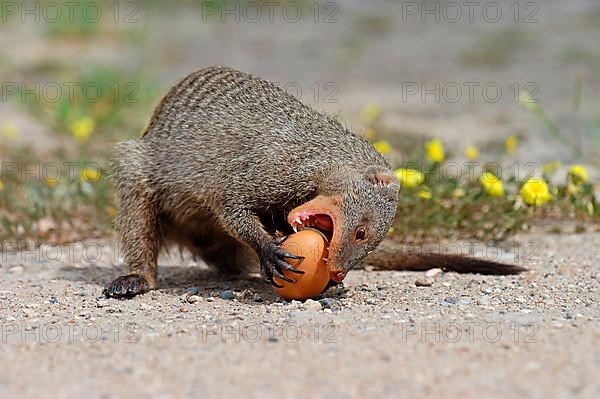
pixel 295 229
pixel 298 220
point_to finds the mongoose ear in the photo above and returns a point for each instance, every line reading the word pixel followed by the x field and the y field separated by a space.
pixel 380 175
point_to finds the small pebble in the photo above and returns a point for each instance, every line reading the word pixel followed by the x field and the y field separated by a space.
pixel 327 303
pixel 227 294
pixel 433 272
pixel 193 298
pixel 450 299
pixel 16 270
pixel 371 301
pixel 557 324
pixel 424 282
pixel 192 291
pixel 312 305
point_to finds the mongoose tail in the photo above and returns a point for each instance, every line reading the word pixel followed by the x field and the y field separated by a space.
pixel 392 256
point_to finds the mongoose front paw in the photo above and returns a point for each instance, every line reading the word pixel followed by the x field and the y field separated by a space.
pixel 272 262
pixel 127 286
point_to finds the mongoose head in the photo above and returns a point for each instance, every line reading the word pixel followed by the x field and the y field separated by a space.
pixel 355 210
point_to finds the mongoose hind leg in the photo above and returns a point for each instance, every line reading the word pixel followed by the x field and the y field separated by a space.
pixel 206 240
pixel 227 254
pixel 139 233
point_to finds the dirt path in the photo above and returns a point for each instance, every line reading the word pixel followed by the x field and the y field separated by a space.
pixel 535 335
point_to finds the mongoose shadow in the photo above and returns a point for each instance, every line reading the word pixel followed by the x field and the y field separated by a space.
pixel 175 279
pixel 228 159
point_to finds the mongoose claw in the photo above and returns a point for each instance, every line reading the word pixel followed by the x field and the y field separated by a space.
pixel 127 286
pixel 280 240
pixel 273 264
pixel 285 254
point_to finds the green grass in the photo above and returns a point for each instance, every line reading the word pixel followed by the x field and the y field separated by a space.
pixel 33 209
pixel 117 102
pixel 474 214
pixel 478 216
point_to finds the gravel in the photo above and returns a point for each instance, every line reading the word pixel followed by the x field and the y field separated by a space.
pixel 227 294
pixel 372 337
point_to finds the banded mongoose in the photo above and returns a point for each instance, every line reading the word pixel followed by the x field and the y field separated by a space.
pixel 229 158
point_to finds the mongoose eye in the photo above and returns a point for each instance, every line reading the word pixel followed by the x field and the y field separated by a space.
pixel 361 233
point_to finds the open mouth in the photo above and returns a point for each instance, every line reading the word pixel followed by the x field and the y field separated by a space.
pixel 305 218
pixel 320 213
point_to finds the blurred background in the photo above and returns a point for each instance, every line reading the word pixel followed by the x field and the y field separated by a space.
pixel 495 81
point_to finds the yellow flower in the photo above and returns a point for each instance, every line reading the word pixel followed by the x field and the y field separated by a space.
pixel 1 186
pixel 91 174
pixel 370 113
pixel 369 133
pixel 434 150
pixel 112 211
pixel 551 167
pixel 458 193
pixel 382 146
pixel 10 131
pixel 578 174
pixel 492 185
pixel 472 153
pixel 409 177
pixel 511 144
pixel 424 193
pixel 535 192
pixel 573 189
pixel 82 129
pixel 51 181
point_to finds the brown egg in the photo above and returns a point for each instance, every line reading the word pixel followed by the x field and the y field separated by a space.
pixel 311 244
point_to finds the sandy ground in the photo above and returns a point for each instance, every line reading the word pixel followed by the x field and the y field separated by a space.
pixel 535 335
